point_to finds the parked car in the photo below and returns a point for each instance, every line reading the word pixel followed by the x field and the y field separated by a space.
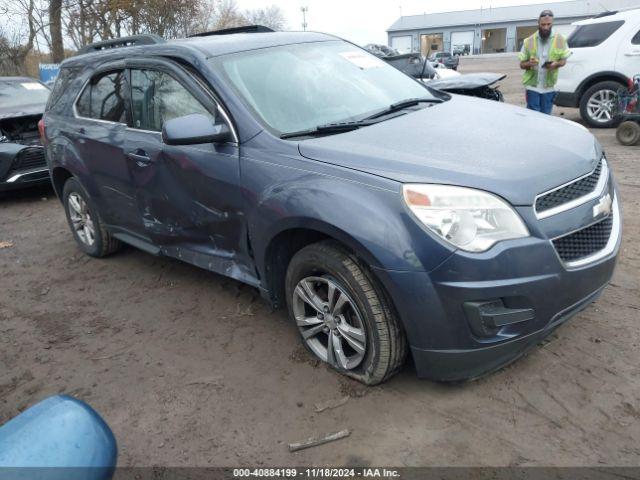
pixel 605 54
pixel 22 161
pixel 335 184
pixel 464 49
pixel 446 59
pixel 481 85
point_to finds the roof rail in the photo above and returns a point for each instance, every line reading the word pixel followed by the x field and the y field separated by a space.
pixel 132 41
pixel 606 14
pixel 229 31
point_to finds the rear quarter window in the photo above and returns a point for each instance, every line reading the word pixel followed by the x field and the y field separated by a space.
pixel 592 35
pixel 61 88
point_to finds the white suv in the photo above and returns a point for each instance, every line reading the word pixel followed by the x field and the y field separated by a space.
pixel 605 54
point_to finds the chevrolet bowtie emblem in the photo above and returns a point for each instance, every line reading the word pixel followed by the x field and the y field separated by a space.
pixel 603 207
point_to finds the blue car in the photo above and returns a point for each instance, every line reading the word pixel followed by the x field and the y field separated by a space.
pixel 304 166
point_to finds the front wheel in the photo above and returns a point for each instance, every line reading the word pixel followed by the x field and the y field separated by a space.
pixel 342 315
pixel 598 105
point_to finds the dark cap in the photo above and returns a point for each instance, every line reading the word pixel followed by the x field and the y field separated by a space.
pixel 546 13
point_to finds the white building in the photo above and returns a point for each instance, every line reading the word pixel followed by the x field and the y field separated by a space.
pixel 490 30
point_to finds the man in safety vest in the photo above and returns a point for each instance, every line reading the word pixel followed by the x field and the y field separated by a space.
pixel 542 54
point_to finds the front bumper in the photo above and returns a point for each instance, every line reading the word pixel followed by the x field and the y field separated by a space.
pixel 22 166
pixel 524 275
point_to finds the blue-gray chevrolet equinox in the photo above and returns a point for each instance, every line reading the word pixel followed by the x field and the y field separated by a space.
pixel 338 186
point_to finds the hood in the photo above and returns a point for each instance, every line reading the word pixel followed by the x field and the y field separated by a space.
pixel 504 149
pixel 21 111
pixel 466 82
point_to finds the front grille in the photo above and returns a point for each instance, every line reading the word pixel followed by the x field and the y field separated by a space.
pixel 585 242
pixel 570 192
pixel 28 158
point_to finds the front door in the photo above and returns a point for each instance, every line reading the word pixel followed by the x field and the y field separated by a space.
pixel 188 196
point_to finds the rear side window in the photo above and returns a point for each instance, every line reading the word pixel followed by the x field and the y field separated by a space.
pixel 104 98
pixel 157 97
pixel 636 39
pixel 593 35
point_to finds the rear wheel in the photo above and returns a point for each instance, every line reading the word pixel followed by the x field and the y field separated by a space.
pixel 85 223
pixel 342 315
pixel 628 133
pixel 598 105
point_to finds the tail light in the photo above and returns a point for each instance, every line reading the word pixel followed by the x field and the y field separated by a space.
pixel 41 130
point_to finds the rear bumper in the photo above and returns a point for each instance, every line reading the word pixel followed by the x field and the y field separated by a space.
pixel 566 99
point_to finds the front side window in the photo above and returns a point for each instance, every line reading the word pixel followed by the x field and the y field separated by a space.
pixel 297 87
pixel 592 35
pixel 104 98
pixel 157 97
pixel 636 39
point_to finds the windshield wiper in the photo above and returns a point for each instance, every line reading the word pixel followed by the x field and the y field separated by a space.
pixel 370 120
pixel 395 107
pixel 327 129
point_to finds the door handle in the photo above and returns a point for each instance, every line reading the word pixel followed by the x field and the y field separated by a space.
pixel 140 157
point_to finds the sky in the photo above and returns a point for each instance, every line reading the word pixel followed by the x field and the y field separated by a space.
pixel 362 21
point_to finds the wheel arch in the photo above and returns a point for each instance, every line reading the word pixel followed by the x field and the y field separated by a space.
pixel 59 177
pixel 607 76
pixel 291 238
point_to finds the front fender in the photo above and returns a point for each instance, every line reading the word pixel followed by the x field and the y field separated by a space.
pixel 371 220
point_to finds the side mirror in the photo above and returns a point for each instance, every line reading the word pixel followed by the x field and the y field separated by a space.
pixel 194 129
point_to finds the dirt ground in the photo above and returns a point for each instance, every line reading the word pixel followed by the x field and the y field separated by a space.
pixel 191 368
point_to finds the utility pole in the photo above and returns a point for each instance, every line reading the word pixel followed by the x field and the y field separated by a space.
pixel 304 11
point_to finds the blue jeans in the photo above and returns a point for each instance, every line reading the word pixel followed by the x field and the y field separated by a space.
pixel 540 102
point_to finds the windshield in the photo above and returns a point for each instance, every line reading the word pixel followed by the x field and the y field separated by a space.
pixel 16 93
pixel 298 87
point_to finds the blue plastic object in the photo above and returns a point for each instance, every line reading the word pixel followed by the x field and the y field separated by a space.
pixel 58 438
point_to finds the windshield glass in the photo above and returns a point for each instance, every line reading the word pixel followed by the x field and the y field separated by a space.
pixel 15 93
pixel 298 87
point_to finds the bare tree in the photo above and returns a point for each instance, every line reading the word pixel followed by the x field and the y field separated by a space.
pixel 272 17
pixel 22 42
pixel 227 15
pixel 55 30
pixel 11 59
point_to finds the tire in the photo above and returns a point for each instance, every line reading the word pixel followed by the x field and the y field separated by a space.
pixel 85 223
pixel 628 133
pixel 372 344
pixel 602 92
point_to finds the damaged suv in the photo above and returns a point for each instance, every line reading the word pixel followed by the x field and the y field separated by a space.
pixel 332 182
pixel 22 161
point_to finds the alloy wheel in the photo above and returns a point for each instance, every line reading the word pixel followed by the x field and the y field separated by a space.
pixel 81 219
pixel 601 106
pixel 329 322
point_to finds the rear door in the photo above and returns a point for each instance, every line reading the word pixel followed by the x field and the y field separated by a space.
pixel 188 196
pixel 99 127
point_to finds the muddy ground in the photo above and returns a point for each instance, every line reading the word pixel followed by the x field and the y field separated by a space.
pixel 191 368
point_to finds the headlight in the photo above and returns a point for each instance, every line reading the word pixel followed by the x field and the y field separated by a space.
pixel 470 219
